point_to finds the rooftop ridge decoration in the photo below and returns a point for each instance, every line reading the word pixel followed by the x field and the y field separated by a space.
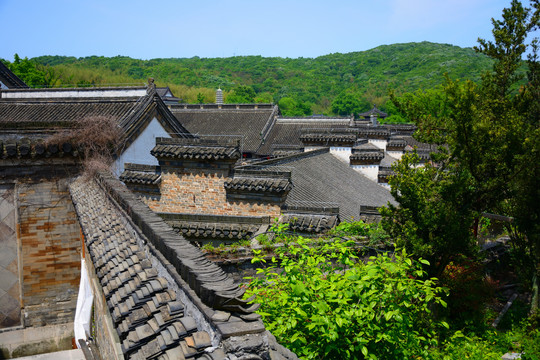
pixel 141 174
pixel 306 208
pixel 215 226
pixel 28 148
pixel 197 149
pixel 374 111
pixel 291 157
pixel 270 123
pixel 81 92
pixel 212 106
pixel 328 137
pixel 310 223
pixel 214 287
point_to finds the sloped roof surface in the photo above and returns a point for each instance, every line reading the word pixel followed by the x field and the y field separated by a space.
pixel 252 124
pixel 374 111
pixel 9 79
pixel 150 321
pixel 61 112
pixel 131 113
pixel 318 177
pixel 286 132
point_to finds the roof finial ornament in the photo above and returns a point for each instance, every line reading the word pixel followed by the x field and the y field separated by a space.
pixel 151 86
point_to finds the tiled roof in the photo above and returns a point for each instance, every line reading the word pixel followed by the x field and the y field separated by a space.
pixel 215 226
pixel 50 113
pixel 373 132
pixel 367 155
pixel 396 144
pixel 413 143
pixel 195 149
pixel 131 113
pixel 364 145
pixel 252 124
pixel 9 79
pixel 328 137
pixel 150 321
pixel 310 223
pixel 287 132
pixel 215 288
pixel 320 178
pixel 193 229
pixel 27 148
pixel 401 129
pixel 141 174
pixel 375 112
pixel 387 161
pixel 260 181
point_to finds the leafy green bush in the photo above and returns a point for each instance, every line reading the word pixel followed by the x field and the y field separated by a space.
pixel 373 231
pixel 325 304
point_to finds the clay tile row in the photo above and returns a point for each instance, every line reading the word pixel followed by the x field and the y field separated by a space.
pixel 25 148
pixel 250 184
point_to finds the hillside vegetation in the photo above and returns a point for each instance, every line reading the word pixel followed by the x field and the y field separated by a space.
pixel 314 82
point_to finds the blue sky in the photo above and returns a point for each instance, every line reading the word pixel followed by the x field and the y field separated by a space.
pixel 224 28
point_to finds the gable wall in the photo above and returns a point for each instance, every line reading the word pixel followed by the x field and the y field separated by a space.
pixel 138 152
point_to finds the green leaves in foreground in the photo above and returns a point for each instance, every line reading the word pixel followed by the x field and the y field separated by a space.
pixel 326 304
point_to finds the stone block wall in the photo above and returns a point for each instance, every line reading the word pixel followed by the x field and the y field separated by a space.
pixel 50 243
pixel 203 193
pixel 10 296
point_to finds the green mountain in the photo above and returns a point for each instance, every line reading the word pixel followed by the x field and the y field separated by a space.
pixel 314 81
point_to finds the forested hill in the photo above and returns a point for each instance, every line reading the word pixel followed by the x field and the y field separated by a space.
pixel 313 81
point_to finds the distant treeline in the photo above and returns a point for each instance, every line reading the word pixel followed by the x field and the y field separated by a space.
pixel 325 84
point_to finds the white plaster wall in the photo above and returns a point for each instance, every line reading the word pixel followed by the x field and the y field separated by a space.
pixel 342 153
pixel 369 171
pixel 395 154
pixel 139 151
pixel 311 148
pixel 73 93
pixel 381 144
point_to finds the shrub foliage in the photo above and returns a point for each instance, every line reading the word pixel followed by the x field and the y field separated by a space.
pixel 326 304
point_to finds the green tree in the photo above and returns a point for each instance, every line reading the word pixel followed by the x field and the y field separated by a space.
pixel 491 131
pixel 200 98
pixel 434 216
pixel 326 304
pixel 291 107
pixel 241 94
pixel 32 73
pixel 349 102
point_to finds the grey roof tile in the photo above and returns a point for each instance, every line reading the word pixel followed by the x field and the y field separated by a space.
pixel 248 123
pixel 320 179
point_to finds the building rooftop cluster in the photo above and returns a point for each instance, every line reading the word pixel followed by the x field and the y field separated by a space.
pixel 183 175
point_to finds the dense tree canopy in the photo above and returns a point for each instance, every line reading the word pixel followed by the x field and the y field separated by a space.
pixel 489 149
pixel 313 81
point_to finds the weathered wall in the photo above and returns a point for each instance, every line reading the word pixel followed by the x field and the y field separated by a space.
pixel 49 235
pixel 35 340
pixel 10 295
pixel 203 193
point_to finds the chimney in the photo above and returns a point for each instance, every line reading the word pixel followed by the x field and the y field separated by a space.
pixel 219 97
pixel 374 120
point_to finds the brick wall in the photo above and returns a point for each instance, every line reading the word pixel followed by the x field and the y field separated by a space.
pixel 49 235
pixel 203 193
